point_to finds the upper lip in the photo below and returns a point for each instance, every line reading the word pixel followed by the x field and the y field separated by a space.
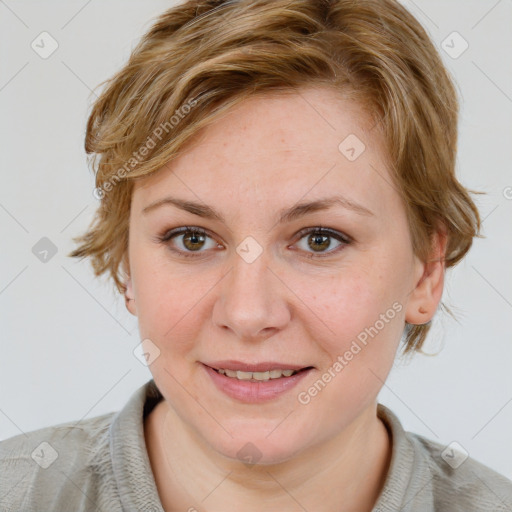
pixel 254 367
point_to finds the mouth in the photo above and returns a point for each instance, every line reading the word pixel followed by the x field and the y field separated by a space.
pixel 255 383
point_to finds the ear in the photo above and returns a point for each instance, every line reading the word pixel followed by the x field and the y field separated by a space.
pixel 129 295
pixel 429 279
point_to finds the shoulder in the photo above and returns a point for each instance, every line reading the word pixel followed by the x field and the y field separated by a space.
pixel 426 475
pixel 53 465
pixel 458 482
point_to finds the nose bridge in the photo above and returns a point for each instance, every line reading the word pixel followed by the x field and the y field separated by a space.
pixel 251 301
pixel 250 278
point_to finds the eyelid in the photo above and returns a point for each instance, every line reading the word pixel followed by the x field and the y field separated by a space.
pixel 325 231
pixel 171 233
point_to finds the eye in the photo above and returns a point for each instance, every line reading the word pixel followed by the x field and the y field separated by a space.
pixel 318 239
pixel 193 240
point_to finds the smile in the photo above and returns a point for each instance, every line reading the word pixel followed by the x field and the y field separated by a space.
pixel 266 382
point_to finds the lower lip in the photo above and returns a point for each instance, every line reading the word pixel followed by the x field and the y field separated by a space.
pixel 255 392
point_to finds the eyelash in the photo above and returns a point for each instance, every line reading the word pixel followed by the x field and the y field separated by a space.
pixel 319 230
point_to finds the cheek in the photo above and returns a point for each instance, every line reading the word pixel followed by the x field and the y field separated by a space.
pixel 351 302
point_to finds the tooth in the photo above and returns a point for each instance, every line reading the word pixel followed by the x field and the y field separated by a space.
pixel 243 375
pixel 261 375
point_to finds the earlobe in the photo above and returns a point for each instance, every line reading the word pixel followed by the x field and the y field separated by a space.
pixel 129 298
pixel 426 295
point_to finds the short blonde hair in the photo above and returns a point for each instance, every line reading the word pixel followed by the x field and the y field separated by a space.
pixel 202 57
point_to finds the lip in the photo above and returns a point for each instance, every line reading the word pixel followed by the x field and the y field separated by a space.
pixel 255 392
pixel 263 366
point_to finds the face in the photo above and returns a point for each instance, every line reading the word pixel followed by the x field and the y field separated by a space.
pixel 254 288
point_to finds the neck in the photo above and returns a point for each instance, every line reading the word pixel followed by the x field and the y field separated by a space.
pixel 348 469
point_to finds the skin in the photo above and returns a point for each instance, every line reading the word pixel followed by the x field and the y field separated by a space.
pixel 265 155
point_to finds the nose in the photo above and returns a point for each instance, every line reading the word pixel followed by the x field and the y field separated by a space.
pixel 252 302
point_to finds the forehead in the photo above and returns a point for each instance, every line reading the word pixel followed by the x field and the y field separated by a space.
pixel 273 149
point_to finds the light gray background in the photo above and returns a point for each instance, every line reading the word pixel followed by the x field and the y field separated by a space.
pixel 67 340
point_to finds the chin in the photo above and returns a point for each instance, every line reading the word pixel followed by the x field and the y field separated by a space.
pixel 254 446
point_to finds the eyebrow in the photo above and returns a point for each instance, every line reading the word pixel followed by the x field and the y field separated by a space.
pixel 286 215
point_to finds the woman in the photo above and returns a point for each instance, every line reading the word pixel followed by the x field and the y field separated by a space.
pixel 278 206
